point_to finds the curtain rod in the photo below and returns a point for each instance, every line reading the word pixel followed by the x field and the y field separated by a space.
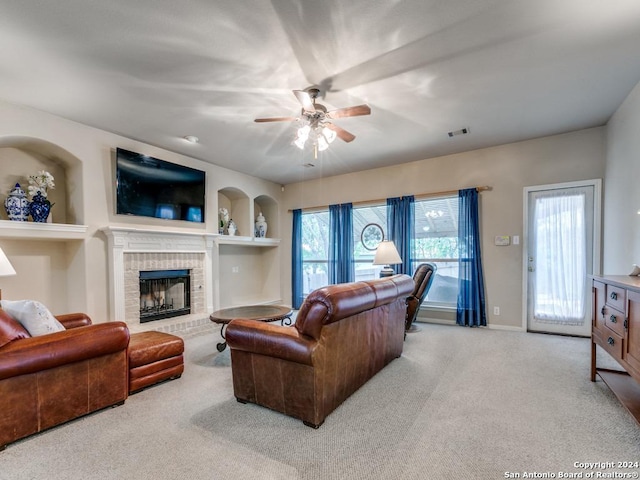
pixel 384 200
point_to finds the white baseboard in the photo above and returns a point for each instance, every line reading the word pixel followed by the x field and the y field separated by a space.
pixel 440 321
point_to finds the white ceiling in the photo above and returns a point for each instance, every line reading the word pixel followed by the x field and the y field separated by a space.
pixel 156 70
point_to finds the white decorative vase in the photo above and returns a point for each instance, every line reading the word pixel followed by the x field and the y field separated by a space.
pixel 231 228
pixel 261 226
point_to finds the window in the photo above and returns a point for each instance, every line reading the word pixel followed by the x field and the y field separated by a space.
pixel 363 257
pixel 315 250
pixel 436 241
pixel 436 231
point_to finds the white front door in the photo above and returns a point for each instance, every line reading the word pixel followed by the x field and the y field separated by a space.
pixel 560 253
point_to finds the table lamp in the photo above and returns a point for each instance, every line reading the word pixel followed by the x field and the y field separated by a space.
pixel 6 269
pixel 387 255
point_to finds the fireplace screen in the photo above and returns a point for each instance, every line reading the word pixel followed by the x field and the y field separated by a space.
pixel 164 294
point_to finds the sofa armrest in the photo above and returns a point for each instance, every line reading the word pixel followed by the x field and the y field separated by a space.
pixel 270 340
pixel 30 355
pixel 74 320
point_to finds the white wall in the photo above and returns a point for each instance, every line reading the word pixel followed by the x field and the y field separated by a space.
pixel 87 154
pixel 73 276
pixel 507 169
pixel 621 232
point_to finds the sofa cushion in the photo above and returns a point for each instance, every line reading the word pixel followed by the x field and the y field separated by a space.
pixel 10 330
pixel 33 316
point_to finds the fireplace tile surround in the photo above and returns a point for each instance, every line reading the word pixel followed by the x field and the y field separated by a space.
pixel 134 263
pixel 133 250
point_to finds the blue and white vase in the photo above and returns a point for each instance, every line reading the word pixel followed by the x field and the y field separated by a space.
pixel 39 208
pixel 17 205
pixel 261 226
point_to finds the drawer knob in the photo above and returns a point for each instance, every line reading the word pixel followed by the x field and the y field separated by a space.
pixel 611 341
pixel 614 296
pixel 613 319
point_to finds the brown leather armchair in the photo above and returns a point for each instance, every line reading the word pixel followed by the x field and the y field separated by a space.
pixel 423 278
pixel 50 379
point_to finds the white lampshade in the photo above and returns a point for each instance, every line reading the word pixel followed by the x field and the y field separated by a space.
pixel 6 269
pixel 387 254
pixel 329 134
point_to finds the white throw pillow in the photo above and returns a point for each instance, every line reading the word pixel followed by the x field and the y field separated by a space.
pixel 33 316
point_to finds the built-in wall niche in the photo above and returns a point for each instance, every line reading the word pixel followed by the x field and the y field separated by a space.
pixel 248 276
pixel 237 203
pixel 269 209
pixel 22 161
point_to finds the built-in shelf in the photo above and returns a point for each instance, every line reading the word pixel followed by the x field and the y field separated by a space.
pixel 41 231
pixel 246 241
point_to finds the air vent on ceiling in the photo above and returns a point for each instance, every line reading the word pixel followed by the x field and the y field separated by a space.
pixel 462 131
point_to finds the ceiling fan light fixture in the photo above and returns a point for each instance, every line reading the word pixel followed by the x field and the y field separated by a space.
pixel 299 142
pixel 328 134
pixel 303 132
pixel 315 120
pixel 302 136
pixel 322 144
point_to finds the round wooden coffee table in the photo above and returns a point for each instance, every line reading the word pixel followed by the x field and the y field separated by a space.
pixel 259 313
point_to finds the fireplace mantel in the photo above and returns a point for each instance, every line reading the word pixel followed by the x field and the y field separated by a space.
pixel 124 240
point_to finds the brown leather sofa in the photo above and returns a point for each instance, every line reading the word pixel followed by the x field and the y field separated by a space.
pixel 50 379
pixel 343 335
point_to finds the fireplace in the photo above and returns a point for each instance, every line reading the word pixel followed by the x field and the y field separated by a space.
pixel 164 294
pixel 133 250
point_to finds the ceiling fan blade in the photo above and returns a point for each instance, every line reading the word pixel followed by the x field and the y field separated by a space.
pixel 350 111
pixel 305 100
pixel 341 132
pixel 275 119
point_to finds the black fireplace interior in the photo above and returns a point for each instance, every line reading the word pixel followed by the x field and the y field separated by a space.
pixel 164 294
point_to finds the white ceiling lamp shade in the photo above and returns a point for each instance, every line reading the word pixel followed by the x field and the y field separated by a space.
pixel 319 135
pixel 302 136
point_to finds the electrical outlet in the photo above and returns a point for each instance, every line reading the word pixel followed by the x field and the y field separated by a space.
pixel 496 310
pixel 235 269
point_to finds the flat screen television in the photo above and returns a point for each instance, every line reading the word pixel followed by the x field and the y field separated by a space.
pixel 149 187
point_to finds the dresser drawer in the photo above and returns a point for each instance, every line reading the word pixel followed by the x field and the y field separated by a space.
pixel 614 319
pixel 610 341
pixel 616 297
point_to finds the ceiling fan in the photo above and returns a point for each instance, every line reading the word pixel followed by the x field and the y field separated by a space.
pixel 315 119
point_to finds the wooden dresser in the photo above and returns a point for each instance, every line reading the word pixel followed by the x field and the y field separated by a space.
pixel 616 328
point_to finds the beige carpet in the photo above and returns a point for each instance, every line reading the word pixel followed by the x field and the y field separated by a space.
pixel 460 403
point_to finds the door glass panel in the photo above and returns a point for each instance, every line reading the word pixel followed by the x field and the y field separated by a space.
pixel 560 257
